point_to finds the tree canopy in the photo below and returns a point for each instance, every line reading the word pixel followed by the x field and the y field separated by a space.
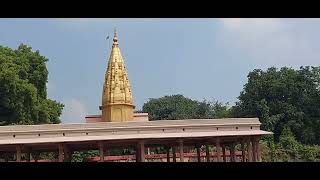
pixel 179 107
pixel 23 91
pixel 284 98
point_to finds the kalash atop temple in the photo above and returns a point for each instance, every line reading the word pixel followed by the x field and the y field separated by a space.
pixel 119 127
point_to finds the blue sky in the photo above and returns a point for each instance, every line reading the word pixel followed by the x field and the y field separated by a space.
pixel 199 58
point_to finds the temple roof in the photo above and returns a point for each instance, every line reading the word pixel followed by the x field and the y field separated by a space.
pixel 161 129
pixel 116 88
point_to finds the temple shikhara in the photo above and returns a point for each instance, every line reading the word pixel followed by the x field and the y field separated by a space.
pixel 117 102
pixel 118 126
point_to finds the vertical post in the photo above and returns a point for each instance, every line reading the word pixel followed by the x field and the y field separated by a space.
pixel 258 149
pixel 174 153
pixel 67 153
pixel 198 153
pixel 168 153
pixel 18 153
pixel 181 150
pixel 207 153
pixel 254 150
pixel 101 152
pixel 232 152
pixel 141 152
pixel 61 153
pixel 218 150
pixel 224 153
pixel 243 152
pixel 137 154
pixel 249 146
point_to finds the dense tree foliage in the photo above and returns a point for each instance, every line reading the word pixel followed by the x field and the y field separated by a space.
pixel 284 98
pixel 179 107
pixel 288 149
pixel 23 92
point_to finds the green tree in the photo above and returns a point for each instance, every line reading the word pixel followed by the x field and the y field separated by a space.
pixel 290 145
pixel 281 98
pixel 180 107
pixel 288 149
pixel 170 107
pixel 310 153
pixel 23 92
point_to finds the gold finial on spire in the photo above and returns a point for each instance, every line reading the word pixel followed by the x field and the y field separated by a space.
pixel 115 37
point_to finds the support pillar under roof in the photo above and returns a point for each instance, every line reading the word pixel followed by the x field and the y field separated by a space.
pixel 224 153
pixel 198 152
pixel 254 150
pixel 218 147
pixel 174 155
pixel 60 156
pixel 258 149
pixel 181 151
pixel 140 153
pixel 207 153
pixel 243 157
pixel 168 153
pixel 232 152
pixel 101 151
pixel 18 153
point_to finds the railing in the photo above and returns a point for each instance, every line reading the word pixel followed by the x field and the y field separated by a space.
pixel 159 157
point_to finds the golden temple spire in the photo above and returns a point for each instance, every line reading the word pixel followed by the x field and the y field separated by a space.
pixel 117 101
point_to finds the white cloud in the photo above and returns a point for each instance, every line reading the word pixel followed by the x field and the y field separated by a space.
pixel 73 112
pixel 50 88
pixel 280 42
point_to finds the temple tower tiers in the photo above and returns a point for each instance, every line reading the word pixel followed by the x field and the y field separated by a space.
pixel 117 101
